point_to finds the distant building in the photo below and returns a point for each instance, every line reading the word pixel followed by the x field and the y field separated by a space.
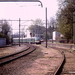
pixel 28 33
pixel 56 35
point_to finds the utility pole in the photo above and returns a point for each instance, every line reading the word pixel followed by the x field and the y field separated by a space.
pixel 74 27
pixel 46 26
pixel 12 34
pixel 19 31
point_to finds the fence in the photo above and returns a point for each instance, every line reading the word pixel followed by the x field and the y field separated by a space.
pixel 60 45
pixel 2 42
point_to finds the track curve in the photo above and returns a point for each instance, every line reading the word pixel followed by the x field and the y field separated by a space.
pixel 68 66
pixel 6 59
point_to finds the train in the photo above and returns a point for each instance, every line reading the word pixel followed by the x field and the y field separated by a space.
pixel 31 40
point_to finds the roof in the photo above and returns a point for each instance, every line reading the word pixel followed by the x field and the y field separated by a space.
pixel 19 1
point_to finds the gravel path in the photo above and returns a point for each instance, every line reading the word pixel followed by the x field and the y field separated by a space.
pixel 42 61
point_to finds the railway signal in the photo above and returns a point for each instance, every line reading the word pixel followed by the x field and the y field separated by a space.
pixel 31 34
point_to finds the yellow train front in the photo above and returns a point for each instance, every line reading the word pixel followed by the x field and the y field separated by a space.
pixel 37 40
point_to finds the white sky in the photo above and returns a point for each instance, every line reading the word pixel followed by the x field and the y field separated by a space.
pixel 27 11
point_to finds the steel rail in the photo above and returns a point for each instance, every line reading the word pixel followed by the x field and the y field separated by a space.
pixel 12 57
pixel 59 67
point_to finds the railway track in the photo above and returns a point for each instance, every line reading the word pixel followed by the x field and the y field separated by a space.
pixel 41 61
pixel 9 58
pixel 67 66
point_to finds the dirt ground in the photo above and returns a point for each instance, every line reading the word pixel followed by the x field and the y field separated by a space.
pixel 43 61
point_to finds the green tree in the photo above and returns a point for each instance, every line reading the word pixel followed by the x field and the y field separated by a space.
pixel 65 19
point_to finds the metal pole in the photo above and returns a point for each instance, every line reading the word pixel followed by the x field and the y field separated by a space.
pixel 46 26
pixel 12 35
pixel 19 31
pixel 74 27
pixel 22 36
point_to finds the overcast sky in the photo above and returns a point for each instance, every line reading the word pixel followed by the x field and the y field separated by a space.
pixel 27 11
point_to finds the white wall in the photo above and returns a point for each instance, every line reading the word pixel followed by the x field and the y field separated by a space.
pixel 56 35
pixel 28 33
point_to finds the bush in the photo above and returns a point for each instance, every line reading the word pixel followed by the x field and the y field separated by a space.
pixel 66 41
pixel 5 36
pixel 2 35
pixel 7 40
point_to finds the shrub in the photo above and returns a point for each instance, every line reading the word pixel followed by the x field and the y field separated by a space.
pixel 5 36
pixel 2 35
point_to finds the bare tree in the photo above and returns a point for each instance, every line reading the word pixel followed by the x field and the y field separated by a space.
pixel 52 26
pixel 37 27
pixel 5 27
